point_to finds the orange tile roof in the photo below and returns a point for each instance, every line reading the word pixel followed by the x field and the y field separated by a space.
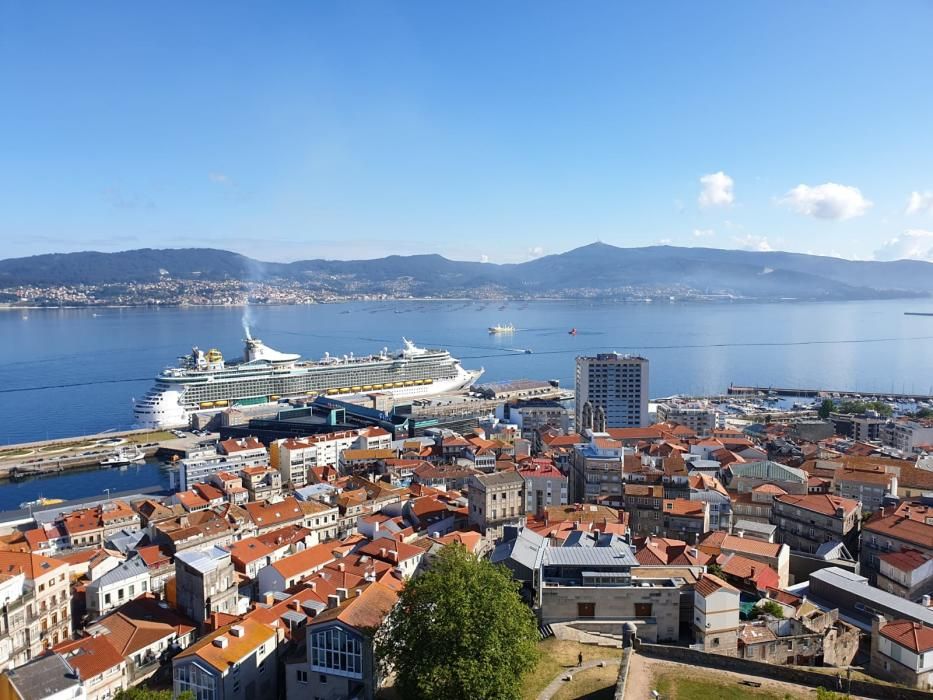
pixel 684 508
pixel 32 565
pixel 906 559
pixel 901 527
pixel 390 550
pixel 912 635
pixel 363 612
pixel 745 545
pixel 191 500
pixel 142 622
pixel 237 648
pixel 302 563
pixel 655 551
pixel 266 514
pixel 748 569
pixel 249 550
pixel 709 584
pixel 90 656
pixel 469 539
pixel 772 489
pixel 153 556
pixel 822 503
pixel 240 444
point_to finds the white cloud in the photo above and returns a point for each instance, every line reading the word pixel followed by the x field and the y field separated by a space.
pixel 716 190
pixel 484 258
pixel 920 202
pixel 827 201
pixel 665 241
pixel 913 244
pixel 751 242
pixel 535 252
pixel 219 178
pixel 703 233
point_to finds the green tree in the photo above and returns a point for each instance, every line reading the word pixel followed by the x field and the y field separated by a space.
pixel 141 693
pixel 826 408
pixel 770 607
pixel 460 631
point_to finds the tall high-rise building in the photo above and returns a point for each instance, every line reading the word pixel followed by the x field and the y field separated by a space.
pixel 612 392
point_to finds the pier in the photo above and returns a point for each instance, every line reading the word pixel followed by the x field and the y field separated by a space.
pixel 735 390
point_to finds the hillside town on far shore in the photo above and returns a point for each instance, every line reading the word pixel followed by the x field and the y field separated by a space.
pixel 794 541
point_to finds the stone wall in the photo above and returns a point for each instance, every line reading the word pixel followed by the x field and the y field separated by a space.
pixel 787 674
pixel 623 674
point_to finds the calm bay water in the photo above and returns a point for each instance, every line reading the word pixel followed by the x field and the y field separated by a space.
pixel 82 484
pixel 70 372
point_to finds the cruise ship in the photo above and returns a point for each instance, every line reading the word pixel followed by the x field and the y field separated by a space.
pixel 203 381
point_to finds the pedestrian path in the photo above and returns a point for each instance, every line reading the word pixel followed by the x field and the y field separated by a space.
pixel 558 682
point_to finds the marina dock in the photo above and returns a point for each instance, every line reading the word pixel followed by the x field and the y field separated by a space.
pixel 826 393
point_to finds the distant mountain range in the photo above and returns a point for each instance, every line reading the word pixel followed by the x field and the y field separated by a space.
pixel 596 270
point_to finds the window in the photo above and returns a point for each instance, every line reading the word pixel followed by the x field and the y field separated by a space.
pixel 302 676
pixel 337 651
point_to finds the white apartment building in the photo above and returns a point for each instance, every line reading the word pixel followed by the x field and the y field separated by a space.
pixel 293 457
pixel 699 416
pixel 611 392
pixel 119 585
pixel 907 435
pixel 203 465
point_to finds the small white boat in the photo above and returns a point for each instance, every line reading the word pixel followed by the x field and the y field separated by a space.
pixel 123 458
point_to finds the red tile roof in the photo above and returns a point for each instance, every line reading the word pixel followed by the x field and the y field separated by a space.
pixel 822 503
pixel 906 559
pixel 709 584
pixel 365 611
pixel 913 635
pixel 90 656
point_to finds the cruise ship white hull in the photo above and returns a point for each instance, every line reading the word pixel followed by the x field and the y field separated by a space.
pixel 166 409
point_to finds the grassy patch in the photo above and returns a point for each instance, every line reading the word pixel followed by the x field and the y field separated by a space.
pixel 16 453
pixel 557 655
pixel 592 684
pixel 155 436
pixel 676 687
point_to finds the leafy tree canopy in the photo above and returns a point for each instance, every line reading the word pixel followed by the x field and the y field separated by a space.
pixel 770 607
pixel 141 693
pixel 460 631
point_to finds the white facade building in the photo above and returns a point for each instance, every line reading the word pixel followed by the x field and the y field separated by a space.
pixel 611 392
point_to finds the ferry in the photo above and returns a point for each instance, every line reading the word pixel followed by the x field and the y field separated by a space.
pixel 507 328
pixel 205 382
pixel 39 502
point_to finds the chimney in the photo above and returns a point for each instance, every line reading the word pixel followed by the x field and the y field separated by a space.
pixel 295 605
pixel 237 631
pixel 382 552
pixel 333 601
pixel 269 599
pixel 359 591
pixel 741 533
pixel 220 642
pixel 925 601
pixel 341 566
pixel 312 585
pixel 342 594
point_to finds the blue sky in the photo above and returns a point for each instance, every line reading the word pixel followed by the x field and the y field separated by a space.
pixel 480 130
